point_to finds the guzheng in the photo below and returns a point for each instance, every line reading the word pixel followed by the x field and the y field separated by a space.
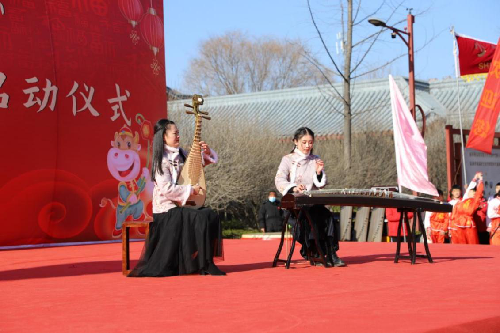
pixel 297 203
pixel 363 198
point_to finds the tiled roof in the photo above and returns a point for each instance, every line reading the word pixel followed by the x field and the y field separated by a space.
pixel 445 92
pixel 319 108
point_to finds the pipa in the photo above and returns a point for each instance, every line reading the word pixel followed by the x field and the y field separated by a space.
pixel 192 172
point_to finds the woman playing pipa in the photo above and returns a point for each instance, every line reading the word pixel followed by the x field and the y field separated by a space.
pixel 181 240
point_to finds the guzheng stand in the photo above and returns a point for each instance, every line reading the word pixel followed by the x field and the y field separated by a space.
pixel 298 224
pixel 412 236
pixel 297 204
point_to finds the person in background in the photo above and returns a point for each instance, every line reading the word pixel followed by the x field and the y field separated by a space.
pixel 436 224
pixel 494 217
pixel 270 215
pixel 392 215
pixel 455 196
pixel 497 189
pixel 490 198
pixel 480 220
pixel 462 224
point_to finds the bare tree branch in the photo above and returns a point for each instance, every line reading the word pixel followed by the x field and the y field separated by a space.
pixel 323 41
pixel 357 11
pixel 375 38
pixel 355 23
pixel 315 64
pixel 400 56
pixel 233 64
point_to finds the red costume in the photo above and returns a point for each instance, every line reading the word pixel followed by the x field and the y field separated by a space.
pixel 495 227
pixel 480 215
pixel 463 227
pixel 439 226
pixel 494 215
pixel 392 215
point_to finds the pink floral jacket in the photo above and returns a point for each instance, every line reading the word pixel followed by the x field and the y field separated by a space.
pixel 297 168
pixel 167 194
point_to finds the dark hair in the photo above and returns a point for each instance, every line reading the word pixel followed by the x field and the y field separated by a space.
pixel 161 127
pixel 272 191
pixel 498 184
pixel 440 192
pixel 455 187
pixel 474 189
pixel 497 195
pixel 300 133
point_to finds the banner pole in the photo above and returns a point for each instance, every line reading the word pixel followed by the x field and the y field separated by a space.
pixel 455 57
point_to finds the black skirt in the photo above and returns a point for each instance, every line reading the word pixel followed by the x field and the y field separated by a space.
pixel 325 225
pixel 180 241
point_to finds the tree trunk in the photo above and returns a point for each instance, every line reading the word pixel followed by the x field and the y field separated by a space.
pixel 347 89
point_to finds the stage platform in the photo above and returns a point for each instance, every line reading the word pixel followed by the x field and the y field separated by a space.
pixel 81 289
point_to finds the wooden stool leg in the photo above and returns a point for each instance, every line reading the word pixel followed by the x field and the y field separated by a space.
pixel 280 247
pixel 125 250
pixel 292 248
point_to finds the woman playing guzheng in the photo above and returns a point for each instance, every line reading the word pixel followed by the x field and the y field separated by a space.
pixel 463 227
pixel 181 240
pixel 302 171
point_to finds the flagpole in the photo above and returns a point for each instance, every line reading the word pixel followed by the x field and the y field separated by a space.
pixel 455 57
pixel 396 150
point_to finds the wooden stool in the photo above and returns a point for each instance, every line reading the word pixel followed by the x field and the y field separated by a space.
pixel 126 241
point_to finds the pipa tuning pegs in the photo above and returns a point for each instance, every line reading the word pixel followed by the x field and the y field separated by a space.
pixel 189 112
pixel 188 106
pixel 206 117
pixel 203 112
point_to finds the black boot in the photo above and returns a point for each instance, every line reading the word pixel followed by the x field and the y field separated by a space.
pixel 212 269
pixel 336 261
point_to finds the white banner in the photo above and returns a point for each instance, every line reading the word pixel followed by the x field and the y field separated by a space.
pixel 489 165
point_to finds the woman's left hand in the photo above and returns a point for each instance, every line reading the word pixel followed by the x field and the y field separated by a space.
pixel 204 147
pixel 319 166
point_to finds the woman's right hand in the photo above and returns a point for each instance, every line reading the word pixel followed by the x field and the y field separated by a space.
pixel 196 189
pixel 299 189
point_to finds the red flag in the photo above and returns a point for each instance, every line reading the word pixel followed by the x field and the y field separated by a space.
pixel 474 55
pixel 485 120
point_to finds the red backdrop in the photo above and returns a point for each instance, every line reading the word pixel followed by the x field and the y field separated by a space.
pixel 73 73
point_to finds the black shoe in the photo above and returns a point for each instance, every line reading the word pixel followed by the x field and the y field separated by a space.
pixel 319 263
pixel 336 261
pixel 212 270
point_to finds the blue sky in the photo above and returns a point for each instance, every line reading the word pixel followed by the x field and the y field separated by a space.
pixel 189 22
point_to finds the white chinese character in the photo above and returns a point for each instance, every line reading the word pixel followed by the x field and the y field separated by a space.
pixel 48 91
pixel 119 106
pixel 4 98
pixel 87 99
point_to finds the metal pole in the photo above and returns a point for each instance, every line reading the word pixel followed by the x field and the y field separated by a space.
pixel 411 66
pixel 455 56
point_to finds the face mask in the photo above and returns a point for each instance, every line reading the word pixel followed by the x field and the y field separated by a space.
pixel 272 199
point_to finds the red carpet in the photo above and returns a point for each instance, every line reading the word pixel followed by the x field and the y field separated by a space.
pixel 81 289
